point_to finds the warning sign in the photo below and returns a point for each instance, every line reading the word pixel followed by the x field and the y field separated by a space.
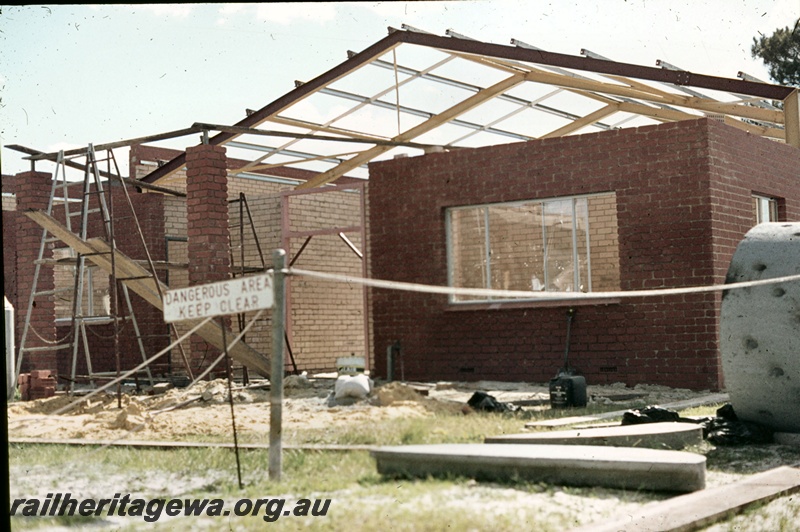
pixel 235 296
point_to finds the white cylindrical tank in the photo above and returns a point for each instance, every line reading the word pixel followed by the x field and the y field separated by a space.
pixel 760 328
pixel 10 349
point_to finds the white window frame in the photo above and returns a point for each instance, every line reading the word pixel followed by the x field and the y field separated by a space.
pixel 766 209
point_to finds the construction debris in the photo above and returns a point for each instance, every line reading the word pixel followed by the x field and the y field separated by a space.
pixel 181 412
pixel 723 429
pixel 487 403
pixel 38 384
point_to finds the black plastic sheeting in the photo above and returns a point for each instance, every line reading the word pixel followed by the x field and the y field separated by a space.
pixel 723 429
pixel 488 403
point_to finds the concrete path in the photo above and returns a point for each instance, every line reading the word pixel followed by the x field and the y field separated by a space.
pixel 578 465
pixel 673 436
pixel 702 508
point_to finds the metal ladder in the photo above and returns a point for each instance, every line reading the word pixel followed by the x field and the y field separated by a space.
pixel 41 261
pixel 92 176
pixel 150 269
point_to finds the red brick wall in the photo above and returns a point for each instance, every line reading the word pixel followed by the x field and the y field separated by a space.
pixel 10 221
pixel 33 192
pixel 22 238
pixel 668 207
pixel 743 165
pixel 207 229
pixel 326 320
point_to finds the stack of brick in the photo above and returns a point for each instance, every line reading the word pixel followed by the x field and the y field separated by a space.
pixel 37 384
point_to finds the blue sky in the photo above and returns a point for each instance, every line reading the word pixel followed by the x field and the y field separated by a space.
pixel 78 74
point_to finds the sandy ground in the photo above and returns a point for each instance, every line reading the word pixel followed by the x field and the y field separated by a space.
pixel 308 405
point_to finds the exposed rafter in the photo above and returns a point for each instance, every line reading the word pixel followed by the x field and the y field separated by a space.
pixel 445 116
pixel 496 93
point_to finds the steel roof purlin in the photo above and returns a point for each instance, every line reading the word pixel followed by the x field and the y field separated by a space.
pixel 650 94
pixel 300 92
pixel 600 66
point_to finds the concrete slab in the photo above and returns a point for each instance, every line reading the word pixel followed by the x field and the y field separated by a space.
pixel 677 405
pixel 673 436
pixel 759 343
pixel 702 508
pixel 577 465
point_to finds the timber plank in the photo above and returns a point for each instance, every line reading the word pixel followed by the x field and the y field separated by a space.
pixel 702 508
pixel 678 405
pixel 673 436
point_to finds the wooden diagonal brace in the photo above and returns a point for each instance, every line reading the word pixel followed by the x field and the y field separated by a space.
pixel 144 284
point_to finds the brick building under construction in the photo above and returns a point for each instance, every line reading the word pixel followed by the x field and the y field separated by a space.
pixel 530 171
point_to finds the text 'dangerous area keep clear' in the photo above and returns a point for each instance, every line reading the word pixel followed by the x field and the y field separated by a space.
pixel 218 299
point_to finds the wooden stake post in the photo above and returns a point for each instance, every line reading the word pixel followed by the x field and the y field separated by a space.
pixel 276 373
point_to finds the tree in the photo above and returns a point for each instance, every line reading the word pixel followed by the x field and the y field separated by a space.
pixel 781 54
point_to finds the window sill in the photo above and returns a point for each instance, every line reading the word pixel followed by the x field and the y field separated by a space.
pixel 511 305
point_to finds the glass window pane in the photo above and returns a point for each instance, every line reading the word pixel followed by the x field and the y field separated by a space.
pixel 468 244
pixel 515 239
pixel 559 260
pixel 757 209
pixel 566 244
pixel 603 242
pixel 773 210
pixel 766 209
pixel 581 244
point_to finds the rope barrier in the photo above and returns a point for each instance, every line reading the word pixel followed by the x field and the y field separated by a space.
pixel 538 296
pixel 431 289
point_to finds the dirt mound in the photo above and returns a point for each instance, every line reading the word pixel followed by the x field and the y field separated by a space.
pixel 67 405
pixel 132 417
pixel 394 392
pixel 398 394
pixel 208 392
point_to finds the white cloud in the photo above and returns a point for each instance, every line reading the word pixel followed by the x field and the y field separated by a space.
pixel 287 13
pixel 168 10
pixel 406 10
pixel 227 11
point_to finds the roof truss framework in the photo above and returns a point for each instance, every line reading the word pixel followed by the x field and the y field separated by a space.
pixel 414 91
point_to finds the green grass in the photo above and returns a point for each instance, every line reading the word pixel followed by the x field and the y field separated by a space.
pixel 438 428
pixel 361 498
